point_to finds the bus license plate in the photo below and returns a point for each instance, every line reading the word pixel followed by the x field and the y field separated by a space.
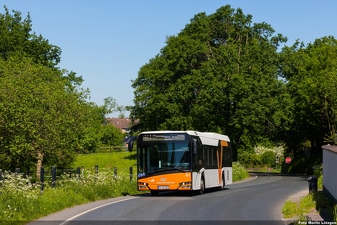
pixel 163 187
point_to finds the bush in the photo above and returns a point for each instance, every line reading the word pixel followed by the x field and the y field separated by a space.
pixel 268 158
pixel 249 160
pixel 239 172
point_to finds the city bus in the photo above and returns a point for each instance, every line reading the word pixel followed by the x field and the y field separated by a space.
pixel 182 161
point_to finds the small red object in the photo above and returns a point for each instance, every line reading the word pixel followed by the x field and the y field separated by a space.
pixel 288 160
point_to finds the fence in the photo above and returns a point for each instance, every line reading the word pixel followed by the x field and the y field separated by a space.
pixel 55 174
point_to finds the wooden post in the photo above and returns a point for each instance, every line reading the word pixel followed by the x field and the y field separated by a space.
pixel 42 178
pixel 130 173
pixel 53 176
pixel 39 164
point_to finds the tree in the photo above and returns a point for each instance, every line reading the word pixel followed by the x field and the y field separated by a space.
pixel 111 136
pixel 45 116
pixel 311 77
pixel 218 74
pixel 17 39
pixel 40 120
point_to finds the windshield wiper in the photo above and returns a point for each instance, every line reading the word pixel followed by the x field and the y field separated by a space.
pixel 165 169
pixel 178 168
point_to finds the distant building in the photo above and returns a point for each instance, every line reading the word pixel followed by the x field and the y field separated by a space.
pixel 123 124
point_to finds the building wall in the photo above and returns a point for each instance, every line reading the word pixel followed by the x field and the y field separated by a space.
pixel 330 170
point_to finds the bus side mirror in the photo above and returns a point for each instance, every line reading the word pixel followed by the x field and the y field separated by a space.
pixel 130 143
pixel 194 147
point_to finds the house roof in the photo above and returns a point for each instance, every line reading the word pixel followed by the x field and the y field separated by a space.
pixel 332 148
pixel 120 123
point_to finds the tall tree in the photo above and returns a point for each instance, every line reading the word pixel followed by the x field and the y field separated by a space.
pixel 218 74
pixel 311 74
pixel 17 38
pixel 44 113
pixel 40 120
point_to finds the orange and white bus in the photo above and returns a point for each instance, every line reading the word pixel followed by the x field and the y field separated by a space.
pixel 183 161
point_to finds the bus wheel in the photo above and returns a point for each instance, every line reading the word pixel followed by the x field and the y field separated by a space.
pixel 202 186
pixel 223 183
pixel 154 193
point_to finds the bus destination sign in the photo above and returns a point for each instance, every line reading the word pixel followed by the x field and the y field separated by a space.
pixel 163 137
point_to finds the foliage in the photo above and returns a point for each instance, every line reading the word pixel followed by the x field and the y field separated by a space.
pixel 278 150
pixel 268 158
pixel 311 77
pixel 18 40
pixel 250 160
pixel 239 172
pixel 24 202
pixel 313 201
pixel 331 138
pixel 38 115
pixel 111 135
pixel 44 112
pixel 219 74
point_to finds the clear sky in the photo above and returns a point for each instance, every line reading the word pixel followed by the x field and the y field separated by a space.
pixel 107 41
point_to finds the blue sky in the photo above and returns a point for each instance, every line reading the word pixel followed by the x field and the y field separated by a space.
pixel 107 41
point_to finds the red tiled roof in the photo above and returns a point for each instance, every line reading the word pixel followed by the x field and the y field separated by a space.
pixel 120 123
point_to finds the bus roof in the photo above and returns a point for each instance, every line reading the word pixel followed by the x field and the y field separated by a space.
pixel 207 138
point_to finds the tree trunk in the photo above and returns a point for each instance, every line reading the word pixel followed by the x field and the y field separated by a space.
pixel 39 164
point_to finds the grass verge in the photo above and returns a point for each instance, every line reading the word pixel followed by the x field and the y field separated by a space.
pixel 22 201
pixel 313 202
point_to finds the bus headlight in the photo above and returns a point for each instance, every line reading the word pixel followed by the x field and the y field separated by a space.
pixel 185 185
pixel 142 185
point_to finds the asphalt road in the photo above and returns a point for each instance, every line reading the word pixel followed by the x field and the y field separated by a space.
pixel 257 201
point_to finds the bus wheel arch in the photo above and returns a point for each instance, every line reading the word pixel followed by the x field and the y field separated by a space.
pixel 202 185
pixel 223 180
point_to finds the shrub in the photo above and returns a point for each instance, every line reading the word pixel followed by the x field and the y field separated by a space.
pixel 249 160
pixel 268 158
pixel 239 172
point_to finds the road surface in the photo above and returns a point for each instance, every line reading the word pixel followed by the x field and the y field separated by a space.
pixel 257 201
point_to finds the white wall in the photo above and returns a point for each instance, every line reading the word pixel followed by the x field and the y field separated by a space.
pixel 330 169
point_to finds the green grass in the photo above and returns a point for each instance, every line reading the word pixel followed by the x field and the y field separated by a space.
pixel 21 201
pixel 289 209
pixel 312 202
pixel 120 160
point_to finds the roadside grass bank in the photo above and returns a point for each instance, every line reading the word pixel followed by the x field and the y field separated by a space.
pixel 315 202
pixel 22 201
pixel 239 172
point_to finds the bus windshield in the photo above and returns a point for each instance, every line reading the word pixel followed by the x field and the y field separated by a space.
pixel 161 156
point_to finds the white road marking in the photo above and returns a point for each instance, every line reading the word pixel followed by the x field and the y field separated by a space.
pixel 80 214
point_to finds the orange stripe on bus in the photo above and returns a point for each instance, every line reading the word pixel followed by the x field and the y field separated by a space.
pixel 222 144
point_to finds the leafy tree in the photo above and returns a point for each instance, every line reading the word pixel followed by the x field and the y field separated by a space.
pixel 40 120
pixel 111 136
pixel 218 74
pixel 311 77
pixel 17 38
pixel 268 158
pixel 45 115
